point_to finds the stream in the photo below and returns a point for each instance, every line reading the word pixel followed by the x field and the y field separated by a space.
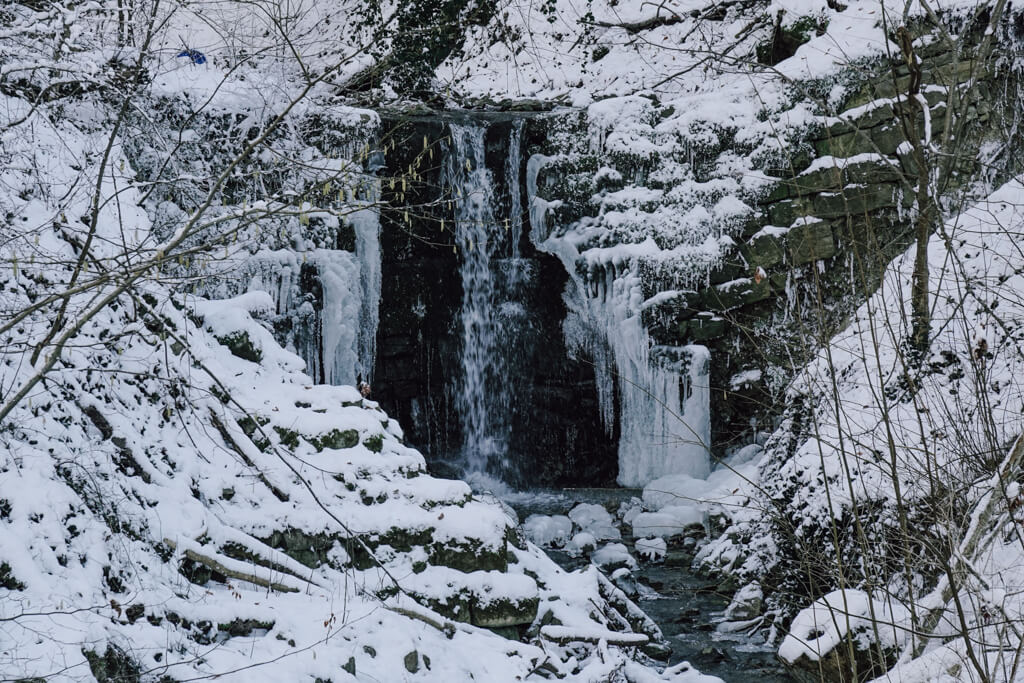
pixel 683 604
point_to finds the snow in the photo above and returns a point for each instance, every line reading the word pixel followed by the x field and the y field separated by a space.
pixel 592 634
pixel 613 554
pixel 739 606
pixel 824 162
pixel 151 450
pixel 581 543
pixel 965 387
pixel 548 531
pixel 183 463
pixel 682 672
pixel 682 500
pixel 741 379
pixel 819 629
pixel 671 520
pixel 595 520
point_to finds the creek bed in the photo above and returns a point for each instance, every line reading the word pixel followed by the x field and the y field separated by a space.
pixel 683 604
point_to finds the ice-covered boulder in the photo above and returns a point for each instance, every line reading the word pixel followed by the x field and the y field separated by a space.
pixel 669 521
pixel 612 556
pixel 595 520
pixel 651 549
pixel 548 531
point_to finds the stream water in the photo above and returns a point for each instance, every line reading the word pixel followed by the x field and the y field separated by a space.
pixel 685 605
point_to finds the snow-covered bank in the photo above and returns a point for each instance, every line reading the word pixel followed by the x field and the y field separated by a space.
pixel 878 445
pixel 152 525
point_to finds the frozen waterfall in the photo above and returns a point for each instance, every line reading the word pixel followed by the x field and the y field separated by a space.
pixel 664 393
pixel 366 222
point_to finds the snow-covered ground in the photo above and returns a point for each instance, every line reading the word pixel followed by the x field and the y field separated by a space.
pixel 175 487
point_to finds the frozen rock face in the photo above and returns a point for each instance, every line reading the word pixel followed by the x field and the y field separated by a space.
pixel 318 307
pixel 498 352
pixel 318 258
pixel 657 398
pixel 733 213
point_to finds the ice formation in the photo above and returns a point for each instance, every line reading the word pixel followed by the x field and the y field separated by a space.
pixel 367 227
pixel 663 392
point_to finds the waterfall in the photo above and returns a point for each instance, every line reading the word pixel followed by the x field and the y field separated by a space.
pixel 664 420
pixel 491 270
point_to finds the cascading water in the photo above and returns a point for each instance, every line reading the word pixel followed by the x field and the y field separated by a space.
pixel 490 269
pixel 470 185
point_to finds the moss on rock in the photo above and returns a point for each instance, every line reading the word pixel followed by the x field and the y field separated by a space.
pixel 242 346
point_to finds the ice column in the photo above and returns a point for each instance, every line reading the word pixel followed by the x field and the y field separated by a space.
pixel 367 227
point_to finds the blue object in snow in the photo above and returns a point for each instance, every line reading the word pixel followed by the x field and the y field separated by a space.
pixel 196 56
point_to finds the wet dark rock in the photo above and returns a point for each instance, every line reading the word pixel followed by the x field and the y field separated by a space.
pixel 657 650
pixel 412 662
pixel 865 664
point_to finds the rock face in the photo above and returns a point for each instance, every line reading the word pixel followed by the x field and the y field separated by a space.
pixel 823 223
pixel 550 411
pixel 804 248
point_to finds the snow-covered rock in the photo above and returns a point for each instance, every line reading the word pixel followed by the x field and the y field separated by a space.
pixel 651 549
pixel 582 543
pixel 595 520
pixel 612 556
pixel 549 531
